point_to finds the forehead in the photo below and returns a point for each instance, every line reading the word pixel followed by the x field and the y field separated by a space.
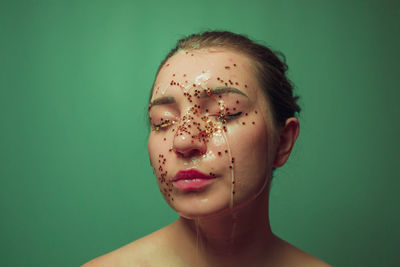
pixel 192 60
pixel 209 66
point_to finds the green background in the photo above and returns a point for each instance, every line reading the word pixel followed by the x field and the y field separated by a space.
pixel 75 78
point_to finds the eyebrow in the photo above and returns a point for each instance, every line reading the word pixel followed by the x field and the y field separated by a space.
pixel 220 91
pixel 163 100
pixel 205 93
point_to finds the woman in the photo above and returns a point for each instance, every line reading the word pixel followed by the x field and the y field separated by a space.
pixel 223 118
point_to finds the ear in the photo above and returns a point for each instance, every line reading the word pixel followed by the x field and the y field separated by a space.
pixel 287 137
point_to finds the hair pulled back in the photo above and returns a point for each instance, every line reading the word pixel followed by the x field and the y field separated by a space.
pixel 271 68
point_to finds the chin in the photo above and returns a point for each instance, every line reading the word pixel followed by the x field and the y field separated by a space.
pixel 198 208
pixel 191 207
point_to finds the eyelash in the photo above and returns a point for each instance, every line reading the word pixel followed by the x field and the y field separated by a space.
pixel 163 125
pixel 229 117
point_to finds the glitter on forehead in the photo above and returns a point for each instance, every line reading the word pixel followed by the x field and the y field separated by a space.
pixel 163 90
pixel 202 78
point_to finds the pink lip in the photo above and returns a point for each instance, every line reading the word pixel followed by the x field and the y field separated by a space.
pixel 190 180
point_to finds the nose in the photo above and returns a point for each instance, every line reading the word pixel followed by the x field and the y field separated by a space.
pixel 189 142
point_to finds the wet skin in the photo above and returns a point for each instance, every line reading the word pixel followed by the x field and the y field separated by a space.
pixel 209 113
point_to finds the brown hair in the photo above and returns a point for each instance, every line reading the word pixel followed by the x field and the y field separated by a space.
pixel 271 68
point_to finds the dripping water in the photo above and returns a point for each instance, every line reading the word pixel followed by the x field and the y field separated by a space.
pixel 233 187
pixel 233 182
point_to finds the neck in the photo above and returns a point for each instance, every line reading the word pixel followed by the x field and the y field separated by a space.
pixel 241 233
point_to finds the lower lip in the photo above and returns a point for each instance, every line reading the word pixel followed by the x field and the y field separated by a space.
pixel 192 184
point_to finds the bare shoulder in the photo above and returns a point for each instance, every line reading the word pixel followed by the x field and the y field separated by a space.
pixel 296 257
pixel 146 251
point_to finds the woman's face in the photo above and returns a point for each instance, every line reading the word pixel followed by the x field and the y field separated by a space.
pixel 212 143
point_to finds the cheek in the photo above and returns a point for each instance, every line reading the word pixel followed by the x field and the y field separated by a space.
pixel 250 146
pixel 249 143
pixel 152 148
pixel 159 153
pixel 158 144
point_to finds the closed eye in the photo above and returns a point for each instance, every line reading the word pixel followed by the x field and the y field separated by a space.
pixel 228 117
pixel 162 125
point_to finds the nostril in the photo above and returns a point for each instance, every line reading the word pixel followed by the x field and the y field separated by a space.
pixel 189 154
pixel 194 153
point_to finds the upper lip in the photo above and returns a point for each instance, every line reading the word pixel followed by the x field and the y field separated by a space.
pixel 191 174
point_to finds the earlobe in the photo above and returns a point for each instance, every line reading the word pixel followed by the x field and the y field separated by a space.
pixel 287 138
